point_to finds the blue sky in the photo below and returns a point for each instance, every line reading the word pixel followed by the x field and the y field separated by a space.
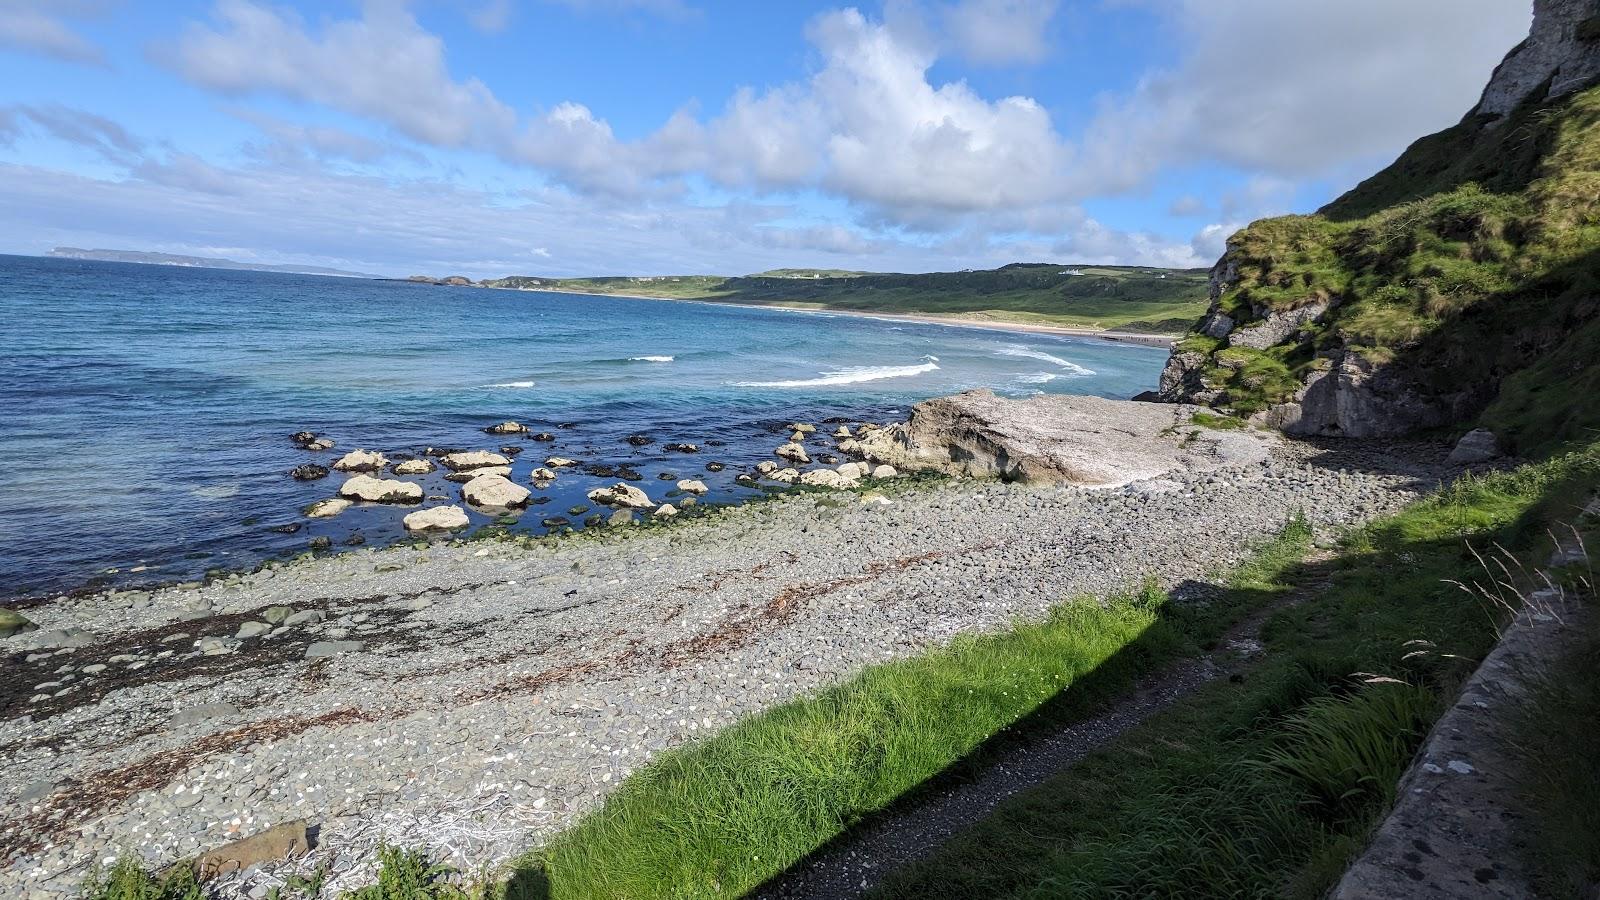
pixel 574 137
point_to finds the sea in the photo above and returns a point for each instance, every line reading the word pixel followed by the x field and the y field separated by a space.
pixel 146 411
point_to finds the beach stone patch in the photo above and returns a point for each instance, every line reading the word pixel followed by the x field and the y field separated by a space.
pixel 64 638
pixel 203 712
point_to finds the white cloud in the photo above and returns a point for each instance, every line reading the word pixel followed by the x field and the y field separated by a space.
pixel 39 26
pixel 1301 88
pixel 75 126
pixel 382 65
pixel 1000 31
pixel 492 17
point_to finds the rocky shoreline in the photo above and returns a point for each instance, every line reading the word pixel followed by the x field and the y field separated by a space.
pixel 473 697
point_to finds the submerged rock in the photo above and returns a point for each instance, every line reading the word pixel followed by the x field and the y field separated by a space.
pixel 507 428
pixel 681 448
pixel 309 472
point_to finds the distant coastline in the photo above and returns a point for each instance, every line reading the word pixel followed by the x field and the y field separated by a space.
pixel 1018 327
pixel 179 261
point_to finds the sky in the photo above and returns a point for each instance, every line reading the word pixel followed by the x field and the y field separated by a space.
pixel 633 137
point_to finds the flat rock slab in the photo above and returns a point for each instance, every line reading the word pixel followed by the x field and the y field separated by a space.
pixel 1060 439
pixel 277 842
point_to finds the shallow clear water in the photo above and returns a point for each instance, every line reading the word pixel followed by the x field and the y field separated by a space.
pixel 145 411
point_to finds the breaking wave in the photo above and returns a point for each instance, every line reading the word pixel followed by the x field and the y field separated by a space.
pixel 849 375
pixel 1037 378
pixel 650 359
pixel 1030 353
pixel 511 384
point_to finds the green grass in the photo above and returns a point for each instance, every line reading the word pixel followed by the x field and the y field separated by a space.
pixel 1100 297
pixel 127 880
pixel 722 816
pixel 1267 786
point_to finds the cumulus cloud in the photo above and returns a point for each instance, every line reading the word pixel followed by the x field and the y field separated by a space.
pixel 997 32
pixel 40 26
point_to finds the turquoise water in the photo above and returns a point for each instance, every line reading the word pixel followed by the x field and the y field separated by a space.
pixel 145 411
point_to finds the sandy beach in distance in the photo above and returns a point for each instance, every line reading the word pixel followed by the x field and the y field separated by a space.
pixel 1121 337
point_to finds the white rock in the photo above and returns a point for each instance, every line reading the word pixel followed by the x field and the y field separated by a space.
pixel 884 472
pixel 361 461
pixel 666 511
pixel 543 474
pixel 560 462
pixel 691 486
pixel 325 509
pixel 803 428
pixel 797 436
pixel 495 492
pixel 853 470
pixel 380 490
pixel 507 428
pixel 438 518
pixel 851 446
pixel 786 476
pixel 414 467
pixel 474 459
pixel 621 494
pixel 827 478
pixel 766 467
pixel 793 452
pixel 1476 446
pixel 843 431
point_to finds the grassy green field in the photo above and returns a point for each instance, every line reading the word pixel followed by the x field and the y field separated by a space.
pixel 1102 297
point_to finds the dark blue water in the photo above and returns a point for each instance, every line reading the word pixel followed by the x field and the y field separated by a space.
pixel 145 411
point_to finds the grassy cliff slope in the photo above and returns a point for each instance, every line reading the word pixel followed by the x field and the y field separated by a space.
pixel 1127 298
pixel 1468 271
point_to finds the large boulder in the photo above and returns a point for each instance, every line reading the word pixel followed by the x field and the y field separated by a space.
pixel 495 492
pixel 622 494
pixel 692 486
pixel 380 490
pixel 1088 441
pixel 466 475
pixel 793 452
pixel 413 467
pixel 507 428
pixel 12 622
pixel 473 459
pixel 828 478
pixel 360 461
pixel 439 518
pixel 1476 446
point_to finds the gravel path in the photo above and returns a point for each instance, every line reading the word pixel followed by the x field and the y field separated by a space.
pixel 480 696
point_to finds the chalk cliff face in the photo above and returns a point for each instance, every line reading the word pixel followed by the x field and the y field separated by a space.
pixel 1457 284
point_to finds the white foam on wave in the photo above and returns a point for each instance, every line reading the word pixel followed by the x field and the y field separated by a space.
pixel 511 384
pixel 650 359
pixel 848 375
pixel 1037 378
pixel 1030 353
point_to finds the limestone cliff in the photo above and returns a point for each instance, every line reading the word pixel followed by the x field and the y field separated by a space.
pixel 1460 283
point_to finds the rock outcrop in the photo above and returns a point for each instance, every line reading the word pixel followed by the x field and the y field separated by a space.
pixel 621 494
pixel 1086 441
pixel 360 461
pixel 380 490
pixel 438 518
pixel 495 492
pixel 1558 57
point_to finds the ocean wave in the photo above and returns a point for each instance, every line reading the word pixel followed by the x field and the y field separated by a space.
pixel 847 375
pixel 1030 353
pixel 1037 378
pixel 650 358
pixel 511 384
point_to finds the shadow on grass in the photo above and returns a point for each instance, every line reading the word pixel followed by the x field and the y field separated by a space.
pixel 1160 665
